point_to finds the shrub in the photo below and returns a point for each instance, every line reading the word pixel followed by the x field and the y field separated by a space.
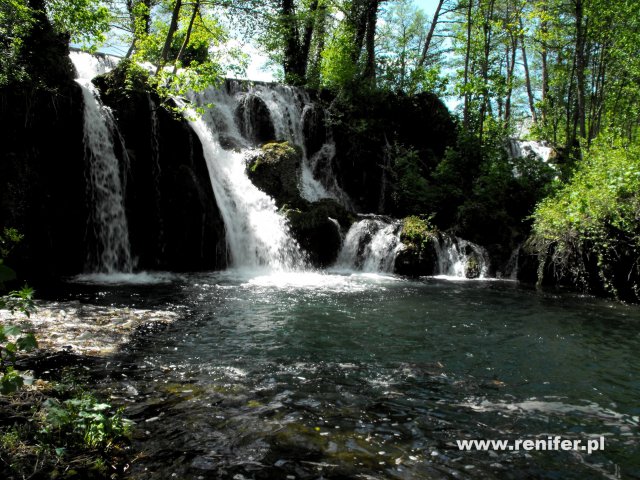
pixel 595 214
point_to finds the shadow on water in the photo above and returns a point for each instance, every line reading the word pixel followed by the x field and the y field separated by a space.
pixel 364 376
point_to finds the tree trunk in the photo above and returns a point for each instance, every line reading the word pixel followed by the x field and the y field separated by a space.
pixel 580 66
pixel 465 111
pixel 432 29
pixel 173 26
pixel 527 77
pixel 369 72
pixel 196 8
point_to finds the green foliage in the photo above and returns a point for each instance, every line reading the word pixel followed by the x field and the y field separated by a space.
pixel 597 210
pixel 83 420
pixel 14 340
pixel 86 21
pixel 64 432
pixel 417 230
pixel 411 187
pixel 338 68
pixel 16 21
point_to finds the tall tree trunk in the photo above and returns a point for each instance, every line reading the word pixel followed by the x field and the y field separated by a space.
pixel 187 37
pixel 487 34
pixel 511 63
pixel 580 66
pixel 527 77
pixel 432 29
pixel 173 26
pixel 465 111
pixel 308 34
pixel 358 20
pixel 369 72
pixel 544 30
pixel 313 65
pixel 291 64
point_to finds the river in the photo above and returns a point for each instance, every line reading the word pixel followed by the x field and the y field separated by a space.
pixel 352 375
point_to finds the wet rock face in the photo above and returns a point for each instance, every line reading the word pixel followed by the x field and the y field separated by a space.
pixel 313 128
pixel 254 120
pixel 417 261
pixel 317 227
pixel 174 221
pixel 275 170
pixel 42 183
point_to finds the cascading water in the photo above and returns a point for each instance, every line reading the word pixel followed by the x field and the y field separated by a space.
pixel 460 258
pixel 371 245
pixel 525 148
pixel 108 220
pixel 257 235
pixel 287 108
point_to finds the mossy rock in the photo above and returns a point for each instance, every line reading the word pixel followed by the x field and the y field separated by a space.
pixel 275 170
pixel 317 226
pixel 124 82
pixel 419 256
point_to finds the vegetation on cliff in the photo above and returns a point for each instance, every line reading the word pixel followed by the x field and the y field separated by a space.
pixel 589 230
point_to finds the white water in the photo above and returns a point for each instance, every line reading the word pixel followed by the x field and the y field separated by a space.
pixel 523 148
pixel 287 107
pixel 371 245
pixel 108 219
pixel 257 234
pixel 455 254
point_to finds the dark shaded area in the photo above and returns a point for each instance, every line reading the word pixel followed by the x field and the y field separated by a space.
pixel 42 180
pixel 365 126
pixel 174 222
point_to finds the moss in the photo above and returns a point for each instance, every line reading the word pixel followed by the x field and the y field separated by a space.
pixel 417 231
pixel 274 170
pixel 419 256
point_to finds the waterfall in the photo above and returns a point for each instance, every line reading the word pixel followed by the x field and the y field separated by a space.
pixel 108 220
pixel 371 245
pixel 287 109
pixel 524 148
pixel 460 258
pixel 257 234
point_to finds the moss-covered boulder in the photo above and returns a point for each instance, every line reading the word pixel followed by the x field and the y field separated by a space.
pixel 275 169
pixel 318 227
pixel 419 256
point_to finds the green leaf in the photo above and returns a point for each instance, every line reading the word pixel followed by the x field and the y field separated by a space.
pixel 28 342
pixel 12 330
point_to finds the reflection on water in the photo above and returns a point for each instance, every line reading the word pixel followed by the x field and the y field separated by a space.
pixel 313 375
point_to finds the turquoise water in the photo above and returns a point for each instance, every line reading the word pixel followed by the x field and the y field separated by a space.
pixel 367 376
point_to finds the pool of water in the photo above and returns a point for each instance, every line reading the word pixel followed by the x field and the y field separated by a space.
pixel 338 375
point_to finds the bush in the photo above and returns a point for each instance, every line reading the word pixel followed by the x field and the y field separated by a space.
pixel 590 229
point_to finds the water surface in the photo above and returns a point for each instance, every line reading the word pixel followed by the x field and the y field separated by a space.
pixel 309 375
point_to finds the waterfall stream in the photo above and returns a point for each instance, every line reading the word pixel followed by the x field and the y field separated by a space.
pixel 257 234
pixel 460 258
pixel 108 220
pixel 371 245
